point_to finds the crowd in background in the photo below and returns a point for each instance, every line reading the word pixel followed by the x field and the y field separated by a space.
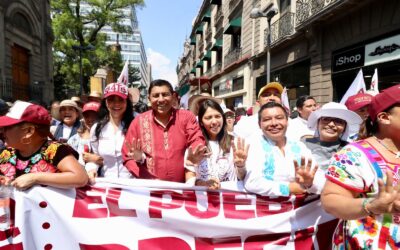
pixel 348 152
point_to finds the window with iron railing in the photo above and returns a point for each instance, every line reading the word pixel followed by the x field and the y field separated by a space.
pixel 305 9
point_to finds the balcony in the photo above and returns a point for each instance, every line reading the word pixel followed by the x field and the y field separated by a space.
pixel 201 48
pixel 307 9
pixel 233 4
pixel 234 55
pixel 219 19
pixel 280 29
pixel 213 70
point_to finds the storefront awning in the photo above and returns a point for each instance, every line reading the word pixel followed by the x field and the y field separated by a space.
pixel 217 45
pixel 207 55
pixel 207 16
pixel 199 64
pixel 199 30
pixel 217 2
pixel 193 71
pixel 193 41
pixel 233 26
pixel 184 89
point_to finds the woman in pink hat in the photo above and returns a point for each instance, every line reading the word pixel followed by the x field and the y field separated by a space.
pixel 81 140
pixel 107 136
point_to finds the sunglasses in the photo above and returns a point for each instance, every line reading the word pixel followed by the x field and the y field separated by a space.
pixel 337 121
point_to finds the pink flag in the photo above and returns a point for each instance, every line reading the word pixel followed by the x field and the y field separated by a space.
pixel 123 77
pixel 285 100
pixel 358 86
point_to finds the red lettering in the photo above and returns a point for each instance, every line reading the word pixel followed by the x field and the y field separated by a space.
pixel 165 243
pixel 258 242
pixel 280 204
pixel 102 247
pixel 84 198
pixel 231 202
pixel 213 243
pixel 156 204
pixel 112 202
pixel 213 204
pixel 303 239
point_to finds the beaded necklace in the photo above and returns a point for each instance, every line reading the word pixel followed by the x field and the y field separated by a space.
pixel 397 154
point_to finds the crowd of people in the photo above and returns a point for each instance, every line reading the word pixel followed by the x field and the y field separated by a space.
pixel 349 154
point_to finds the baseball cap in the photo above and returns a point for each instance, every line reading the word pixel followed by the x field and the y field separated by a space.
pixel 360 100
pixel 384 100
pixel 91 106
pixel 25 112
pixel 117 89
pixel 271 85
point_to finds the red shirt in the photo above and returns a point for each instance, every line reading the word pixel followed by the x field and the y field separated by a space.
pixel 164 147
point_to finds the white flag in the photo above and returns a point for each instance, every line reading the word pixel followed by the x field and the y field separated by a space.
pixel 358 86
pixel 123 77
pixel 285 100
pixel 374 83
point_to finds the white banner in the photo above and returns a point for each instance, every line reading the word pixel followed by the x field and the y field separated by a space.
pixel 145 214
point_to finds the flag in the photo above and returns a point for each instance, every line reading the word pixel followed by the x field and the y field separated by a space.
pixel 285 100
pixel 184 94
pixel 374 83
pixel 358 86
pixel 123 77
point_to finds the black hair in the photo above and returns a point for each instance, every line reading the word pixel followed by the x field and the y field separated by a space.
pixel 224 139
pixel 302 99
pixel 140 107
pixel 269 105
pixel 159 83
pixel 104 117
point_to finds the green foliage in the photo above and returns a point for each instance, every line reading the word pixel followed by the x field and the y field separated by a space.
pixel 74 28
pixel 133 74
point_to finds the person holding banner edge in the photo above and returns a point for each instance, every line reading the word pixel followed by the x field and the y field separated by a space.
pixel 30 158
pixel 364 177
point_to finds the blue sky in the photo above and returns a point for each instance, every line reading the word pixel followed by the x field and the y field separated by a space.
pixel 164 25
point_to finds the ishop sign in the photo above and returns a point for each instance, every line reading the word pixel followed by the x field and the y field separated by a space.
pixel 348 59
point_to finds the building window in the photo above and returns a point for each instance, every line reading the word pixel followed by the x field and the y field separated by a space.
pixel 22 23
pixel 237 84
pixel 284 5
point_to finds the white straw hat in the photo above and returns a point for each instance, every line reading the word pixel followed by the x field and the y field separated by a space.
pixel 336 110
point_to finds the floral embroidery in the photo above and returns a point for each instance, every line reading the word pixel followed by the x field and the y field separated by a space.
pixel 42 161
pixel 352 166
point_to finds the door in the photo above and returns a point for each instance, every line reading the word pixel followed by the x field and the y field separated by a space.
pixel 20 73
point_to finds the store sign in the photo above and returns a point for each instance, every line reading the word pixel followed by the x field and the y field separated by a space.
pixel 382 51
pixel 349 59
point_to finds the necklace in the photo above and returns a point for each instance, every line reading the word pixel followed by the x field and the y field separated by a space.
pixel 397 154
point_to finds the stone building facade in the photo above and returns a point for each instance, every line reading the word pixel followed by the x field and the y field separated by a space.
pixel 26 69
pixel 317 47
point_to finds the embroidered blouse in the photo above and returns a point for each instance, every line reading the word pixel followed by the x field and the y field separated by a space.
pixel 45 159
pixel 269 171
pixel 163 147
pixel 357 167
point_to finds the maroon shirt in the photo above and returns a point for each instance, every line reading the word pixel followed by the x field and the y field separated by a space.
pixel 164 147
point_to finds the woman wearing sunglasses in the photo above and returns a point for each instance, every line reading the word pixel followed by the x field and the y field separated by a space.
pixel 333 124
